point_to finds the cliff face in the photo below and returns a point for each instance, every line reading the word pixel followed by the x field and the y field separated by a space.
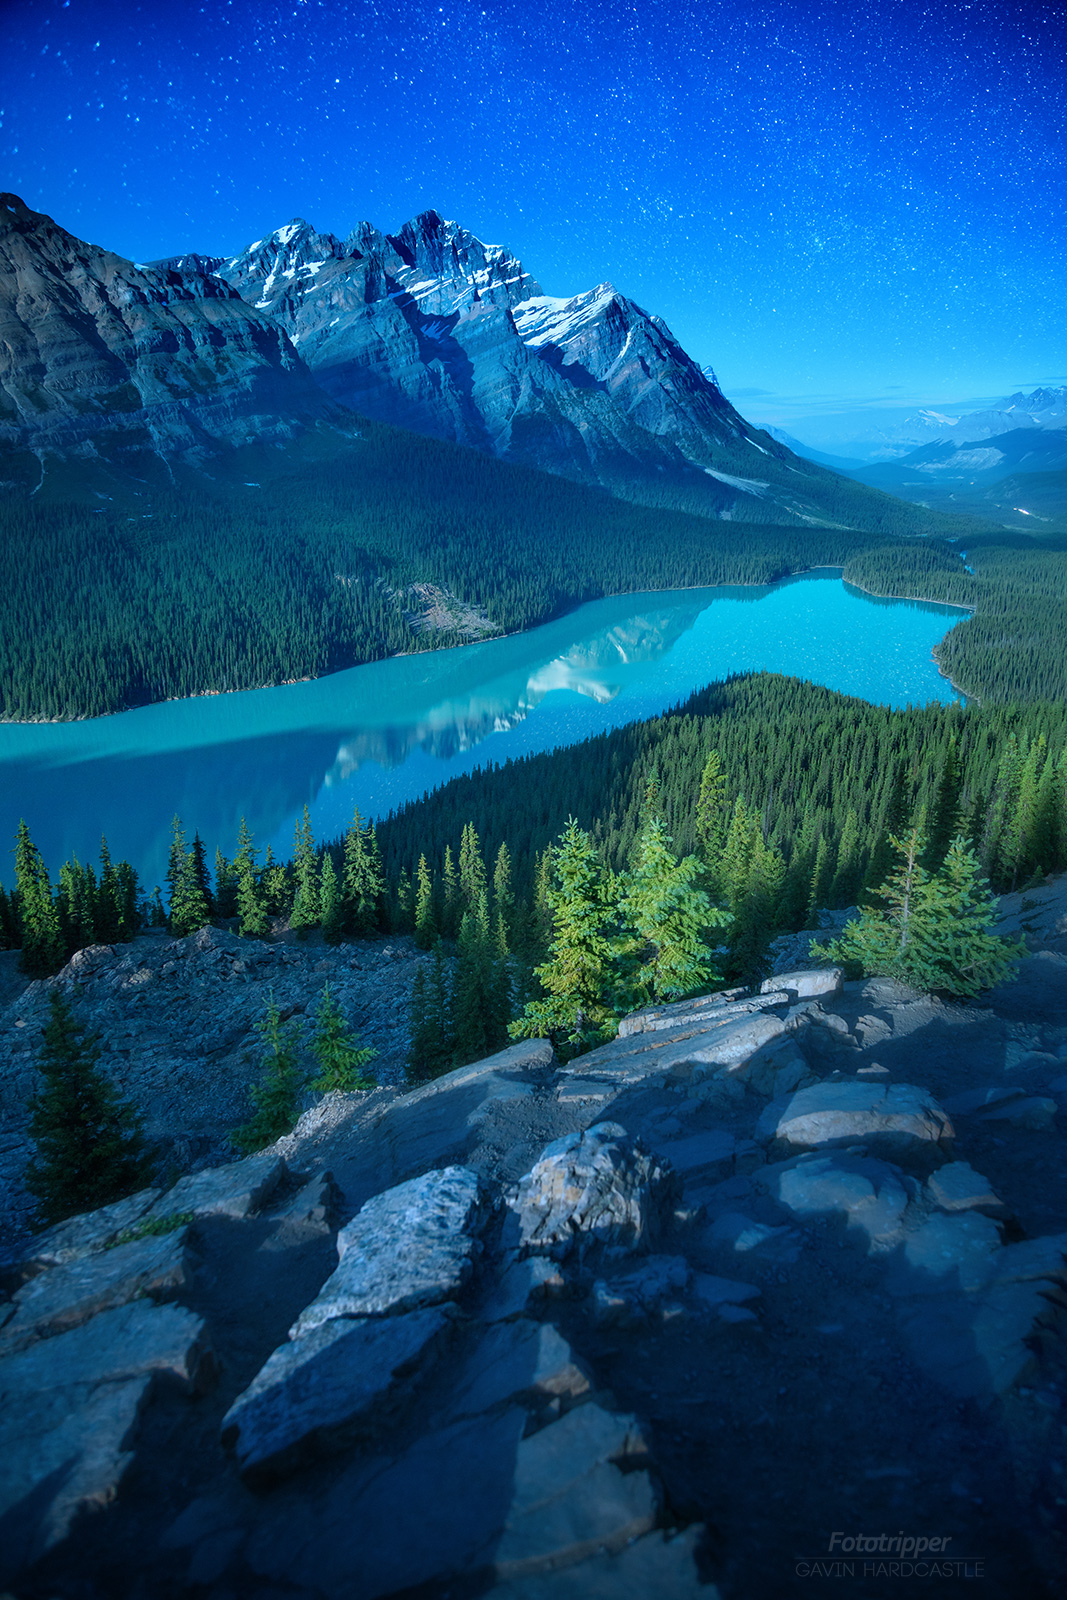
pixel 97 351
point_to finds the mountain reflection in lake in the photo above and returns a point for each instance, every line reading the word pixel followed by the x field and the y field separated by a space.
pixel 378 735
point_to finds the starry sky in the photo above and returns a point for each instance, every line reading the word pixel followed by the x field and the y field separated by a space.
pixel 838 204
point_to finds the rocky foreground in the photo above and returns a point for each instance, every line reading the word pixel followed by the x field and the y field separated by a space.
pixel 765 1276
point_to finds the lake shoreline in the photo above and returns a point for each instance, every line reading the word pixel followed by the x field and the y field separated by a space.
pixel 401 655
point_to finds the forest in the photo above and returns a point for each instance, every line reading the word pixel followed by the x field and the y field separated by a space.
pixel 299 572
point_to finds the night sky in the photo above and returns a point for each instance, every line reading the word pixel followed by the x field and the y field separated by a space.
pixel 835 202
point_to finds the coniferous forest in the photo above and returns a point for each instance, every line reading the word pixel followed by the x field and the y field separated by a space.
pixel 241 584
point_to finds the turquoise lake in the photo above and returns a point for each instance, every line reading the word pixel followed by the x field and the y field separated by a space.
pixel 378 735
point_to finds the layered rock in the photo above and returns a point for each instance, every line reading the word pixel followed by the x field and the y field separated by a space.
pixel 97 352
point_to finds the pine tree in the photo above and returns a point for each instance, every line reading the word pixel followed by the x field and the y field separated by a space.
pixel 277 1098
pixel 578 976
pixel 425 921
pixel 43 951
pixel 670 915
pixel 188 905
pixel 254 922
pixel 332 909
pixel 90 1147
pixel 307 900
pixel 339 1059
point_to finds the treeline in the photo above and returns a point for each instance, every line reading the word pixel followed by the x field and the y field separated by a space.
pixel 1012 649
pixel 238 586
pixel 826 776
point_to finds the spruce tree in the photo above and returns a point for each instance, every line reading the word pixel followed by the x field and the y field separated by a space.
pixel 128 896
pixel 425 921
pixel 76 905
pixel 331 907
pixel 254 922
pixel 188 904
pixel 362 880
pixel 578 976
pixel 670 915
pixel 935 930
pixel 307 901
pixel 225 887
pixel 107 926
pixel 473 988
pixel 432 1041
pixel 339 1059
pixel 450 897
pixel 43 952
pixel 711 819
pixel 90 1149
pixel 276 1098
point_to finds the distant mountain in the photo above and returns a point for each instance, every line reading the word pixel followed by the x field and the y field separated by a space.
pixel 987 476
pixel 1044 408
pixel 103 359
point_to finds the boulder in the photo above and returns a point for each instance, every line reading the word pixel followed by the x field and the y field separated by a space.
pixel 63 1297
pixel 340 1381
pixel 517 1362
pixel 871 1194
pixel 236 1190
pixel 806 985
pixel 597 1187
pixel 132 1341
pixel 412 1246
pixel 834 1112
pixel 957 1187
pixel 62 1451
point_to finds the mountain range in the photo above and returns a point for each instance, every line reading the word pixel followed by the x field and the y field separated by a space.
pixel 110 369
pixel 867 438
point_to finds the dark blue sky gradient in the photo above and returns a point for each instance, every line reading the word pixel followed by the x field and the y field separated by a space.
pixel 833 202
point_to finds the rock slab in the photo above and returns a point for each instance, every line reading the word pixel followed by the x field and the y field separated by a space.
pixel 337 1382
pixel 410 1247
